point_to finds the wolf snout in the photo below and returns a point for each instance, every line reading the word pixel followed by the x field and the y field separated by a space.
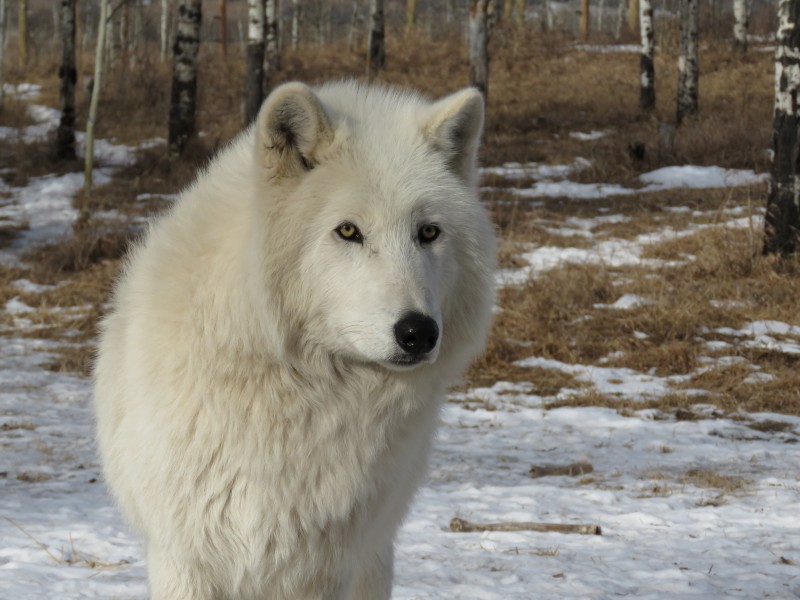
pixel 416 334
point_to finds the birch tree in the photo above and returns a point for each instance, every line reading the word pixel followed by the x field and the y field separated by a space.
pixel 68 76
pixel 296 9
pixel 164 28
pixel 740 21
pixel 22 34
pixel 688 68
pixel 183 100
pixel 376 53
pixel 271 33
pixel 411 15
pixel 647 94
pixel 478 46
pixel 223 26
pixel 782 220
pixel 254 66
pixel 3 15
pixel 99 56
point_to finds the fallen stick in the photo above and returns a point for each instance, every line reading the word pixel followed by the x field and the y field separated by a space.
pixel 461 526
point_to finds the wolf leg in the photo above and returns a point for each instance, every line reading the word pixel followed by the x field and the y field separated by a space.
pixel 374 576
pixel 171 581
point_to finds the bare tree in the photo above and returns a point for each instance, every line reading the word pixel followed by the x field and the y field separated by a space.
pixel 164 28
pixel 68 76
pixel 22 34
pixel 273 52
pixel 411 15
pixel 479 46
pixel 3 14
pixel 376 54
pixel 520 11
pixel 688 67
pixel 584 19
pixel 741 17
pixel 647 94
pixel 183 100
pixel 223 26
pixel 782 220
pixel 296 14
pixel 633 15
pixel 254 70
pixel 99 57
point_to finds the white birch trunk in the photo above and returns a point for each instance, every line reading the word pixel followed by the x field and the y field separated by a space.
pixel 647 95
pixel 376 57
pixel 164 28
pixel 183 99
pixel 621 11
pixel 740 21
pixel 272 47
pixel 296 8
pixel 99 56
pixel 254 66
pixel 351 37
pixel 3 13
pixel 782 220
pixel 601 7
pixel 688 67
pixel 479 47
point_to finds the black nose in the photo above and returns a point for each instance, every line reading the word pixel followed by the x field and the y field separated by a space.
pixel 416 334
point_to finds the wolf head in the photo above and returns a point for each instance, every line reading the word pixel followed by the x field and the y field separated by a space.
pixel 376 247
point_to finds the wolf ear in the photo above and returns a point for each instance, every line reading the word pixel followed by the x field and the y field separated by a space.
pixel 454 127
pixel 291 129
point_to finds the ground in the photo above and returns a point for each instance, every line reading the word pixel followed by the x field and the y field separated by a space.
pixel 638 335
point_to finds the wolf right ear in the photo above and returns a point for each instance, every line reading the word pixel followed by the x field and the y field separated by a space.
pixel 291 129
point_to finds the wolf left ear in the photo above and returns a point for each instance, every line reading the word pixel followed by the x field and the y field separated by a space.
pixel 454 127
pixel 291 130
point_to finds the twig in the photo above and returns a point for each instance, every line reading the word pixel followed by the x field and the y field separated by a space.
pixel 35 541
pixel 461 526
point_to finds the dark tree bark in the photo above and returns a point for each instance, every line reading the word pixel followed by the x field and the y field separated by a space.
pixel 254 67
pixel 376 57
pixel 688 69
pixel 183 101
pixel 782 221
pixel 479 47
pixel 68 76
pixel 647 92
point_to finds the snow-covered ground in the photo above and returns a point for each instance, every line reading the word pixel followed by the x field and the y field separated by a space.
pixel 700 508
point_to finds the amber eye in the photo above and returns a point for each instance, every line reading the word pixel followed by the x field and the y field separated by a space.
pixel 349 232
pixel 428 233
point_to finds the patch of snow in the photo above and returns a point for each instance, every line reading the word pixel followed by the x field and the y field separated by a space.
pixel 15 306
pixel 595 134
pixel 695 177
pixel 534 170
pixel 626 302
pixel 610 48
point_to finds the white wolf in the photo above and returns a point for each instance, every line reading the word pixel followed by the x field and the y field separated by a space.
pixel 269 377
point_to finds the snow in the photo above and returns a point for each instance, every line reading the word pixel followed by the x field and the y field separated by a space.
pixel 689 176
pixel 610 49
pixel 666 532
pixel 588 137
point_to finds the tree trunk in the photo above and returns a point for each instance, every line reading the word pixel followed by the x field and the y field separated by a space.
pixel 584 20
pixel 411 15
pixel 164 28
pixel 647 94
pixel 22 34
pixel 520 9
pixel 376 57
pixel 296 9
pixel 183 101
pixel 254 68
pixel 508 9
pixel 688 69
pixel 782 220
pixel 740 17
pixel 479 47
pixel 3 15
pixel 351 36
pixel 633 15
pixel 99 56
pixel 223 26
pixel 68 76
pixel 124 32
pixel 272 47
pixel 621 9
pixel 601 8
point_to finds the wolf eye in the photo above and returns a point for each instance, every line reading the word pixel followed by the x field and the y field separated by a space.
pixel 349 233
pixel 428 233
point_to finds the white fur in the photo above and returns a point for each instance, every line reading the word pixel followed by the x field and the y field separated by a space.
pixel 252 424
